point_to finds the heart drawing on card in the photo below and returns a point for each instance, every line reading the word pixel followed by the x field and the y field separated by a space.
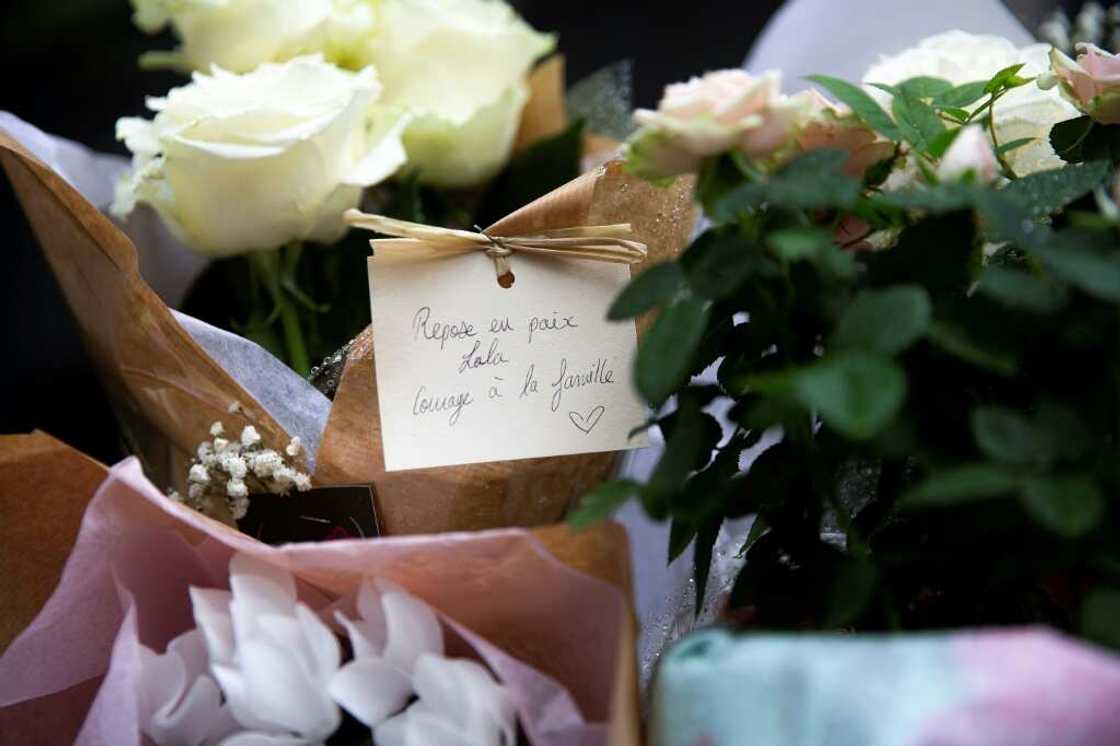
pixel 587 422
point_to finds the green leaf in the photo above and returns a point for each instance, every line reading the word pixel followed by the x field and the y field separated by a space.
pixel 1021 290
pixel 720 261
pixel 759 526
pixel 795 244
pixel 681 534
pixel 957 341
pixel 653 287
pixel 602 502
pixel 1099 612
pixel 1046 192
pixel 1005 78
pixel 917 121
pixel 925 86
pixel 815 180
pixel 1070 506
pixel 665 354
pixel 856 394
pixel 941 143
pixel 960 484
pixel 686 445
pixel 1095 272
pixel 702 560
pixel 962 96
pixel 853 587
pixel 885 321
pixel 861 104
pixel 1006 435
pixel 1007 147
pixel 1068 138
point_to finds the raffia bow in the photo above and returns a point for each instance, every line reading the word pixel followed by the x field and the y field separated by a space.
pixel 415 241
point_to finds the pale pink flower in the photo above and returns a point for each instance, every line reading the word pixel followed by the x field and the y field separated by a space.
pixel 719 112
pixel 971 152
pixel 1091 82
pixel 828 125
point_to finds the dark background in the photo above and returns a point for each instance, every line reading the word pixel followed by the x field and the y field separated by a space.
pixel 69 68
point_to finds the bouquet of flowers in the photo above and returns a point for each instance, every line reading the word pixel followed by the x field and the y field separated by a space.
pixel 232 210
pixel 169 627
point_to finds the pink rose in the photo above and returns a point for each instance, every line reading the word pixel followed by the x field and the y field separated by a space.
pixel 832 126
pixel 971 152
pixel 1091 82
pixel 722 111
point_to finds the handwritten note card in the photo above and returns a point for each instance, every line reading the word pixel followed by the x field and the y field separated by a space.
pixel 469 372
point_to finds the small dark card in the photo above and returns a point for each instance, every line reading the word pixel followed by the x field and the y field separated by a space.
pixel 321 514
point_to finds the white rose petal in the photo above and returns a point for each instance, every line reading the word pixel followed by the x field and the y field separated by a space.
pixel 959 57
pixel 235 34
pixel 460 66
pixel 256 161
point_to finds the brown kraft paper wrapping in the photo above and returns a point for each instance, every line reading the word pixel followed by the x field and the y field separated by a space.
pixel 502 493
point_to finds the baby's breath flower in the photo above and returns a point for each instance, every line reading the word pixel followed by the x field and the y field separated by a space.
pixel 265 463
pixel 198 473
pixel 226 471
pixel 238 507
pixel 294 447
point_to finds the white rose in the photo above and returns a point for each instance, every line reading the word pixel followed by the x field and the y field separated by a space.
pixel 959 57
pixel 970 153
pixel 460 66
pixel 237 163
pixel 239 35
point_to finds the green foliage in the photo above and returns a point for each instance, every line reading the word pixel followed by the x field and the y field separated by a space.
pixel 1082 139
pixel 951 403
pixel 862 105
pixel 602 502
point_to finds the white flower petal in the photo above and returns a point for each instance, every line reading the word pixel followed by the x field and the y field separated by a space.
pixel 370 689
pixel 281 692
pixel 212 615
pixel 412 630
pixel 324 653
pixel 415 727
pixel 261 587
pixel 466 694
pixel 366 638
pixel 256 738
